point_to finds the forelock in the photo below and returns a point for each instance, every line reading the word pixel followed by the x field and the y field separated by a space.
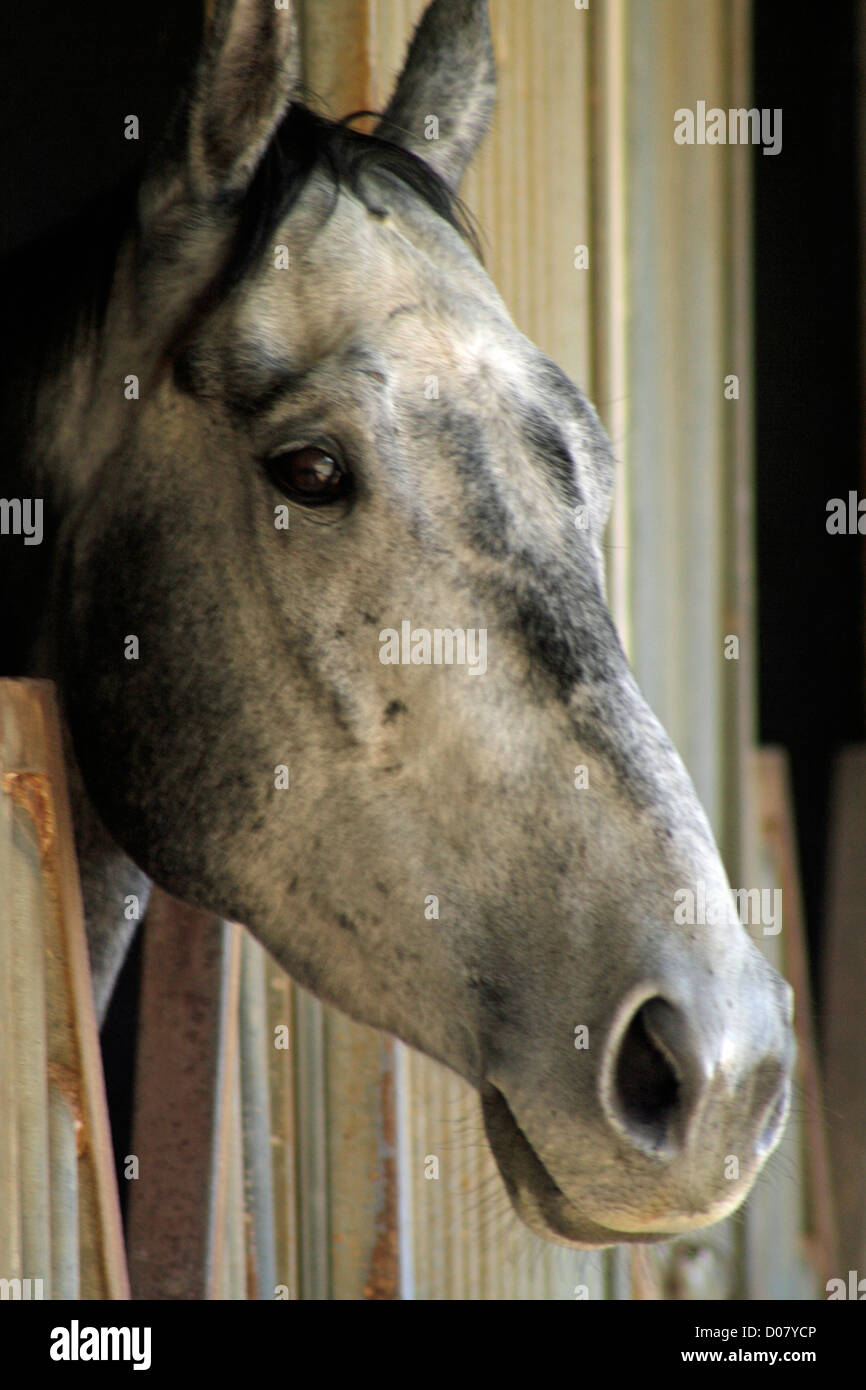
pixel 305 142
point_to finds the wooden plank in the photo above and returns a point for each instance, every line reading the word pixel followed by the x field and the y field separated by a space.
pixel 338 60
pixel 27 792
pixel 610 306
pixel 222 1280
pixel 63 1127
pixel 11 1260
pixel 235 1279
pixel 314 1245
pixel 844 1003
pixel 281 1027
pixel 255 1060
pixel 775 802
pixel 361 1161
pixel 62 1154
pixel 187 1024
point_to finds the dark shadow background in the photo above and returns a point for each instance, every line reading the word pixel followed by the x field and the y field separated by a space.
pixel 809 409
pixel 72 73
pixel 69 75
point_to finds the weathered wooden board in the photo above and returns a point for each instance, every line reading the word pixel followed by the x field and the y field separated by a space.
pixel 844 1004
pixel 791 1239
pixel 180 1199
pixel 59 1211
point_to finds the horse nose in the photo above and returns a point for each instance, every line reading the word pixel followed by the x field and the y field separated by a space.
pixel 661 1074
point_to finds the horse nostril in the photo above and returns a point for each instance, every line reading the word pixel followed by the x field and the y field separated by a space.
pixel 643 1091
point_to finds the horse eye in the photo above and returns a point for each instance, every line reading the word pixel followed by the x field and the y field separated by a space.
pixel 310 475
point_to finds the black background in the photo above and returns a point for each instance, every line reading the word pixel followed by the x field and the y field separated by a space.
pixel 809 404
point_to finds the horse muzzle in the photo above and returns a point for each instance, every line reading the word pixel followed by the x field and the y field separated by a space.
pixel 691 1094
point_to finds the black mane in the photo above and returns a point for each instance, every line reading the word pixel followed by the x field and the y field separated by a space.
pixel 305 141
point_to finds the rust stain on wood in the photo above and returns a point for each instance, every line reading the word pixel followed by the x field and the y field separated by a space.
pixel 383 1273
pixel 32 792
pixel 68 1083
pixel 31 740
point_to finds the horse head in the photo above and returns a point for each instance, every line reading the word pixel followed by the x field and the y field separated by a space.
pixel 331 633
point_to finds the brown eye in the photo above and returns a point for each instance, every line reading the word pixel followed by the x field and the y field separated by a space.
pixel 310 475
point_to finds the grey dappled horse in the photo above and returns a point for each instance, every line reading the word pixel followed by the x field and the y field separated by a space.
pixel 224 399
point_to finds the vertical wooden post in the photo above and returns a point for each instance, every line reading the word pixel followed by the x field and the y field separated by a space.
pixel 59 1212
pixel 844 1004
pixel 186 1047
pixel 815 1223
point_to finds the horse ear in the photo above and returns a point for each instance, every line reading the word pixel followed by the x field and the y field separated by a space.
pixel 445 94
pixel 245 79
pixel 246 75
